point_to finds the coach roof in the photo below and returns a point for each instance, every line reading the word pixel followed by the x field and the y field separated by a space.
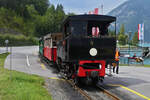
pixel 102 18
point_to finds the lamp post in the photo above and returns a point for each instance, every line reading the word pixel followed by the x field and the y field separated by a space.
pixel 6 42
pixel 117 44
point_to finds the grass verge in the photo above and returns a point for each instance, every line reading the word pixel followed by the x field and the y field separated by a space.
pixel 123 64
pixel 2 59
pixel 134 65
pixel 21 86
pixel 146 65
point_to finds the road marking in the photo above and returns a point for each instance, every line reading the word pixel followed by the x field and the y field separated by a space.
pixel 55 78
pixel 28 60
pixel 139 94
pixel 43 66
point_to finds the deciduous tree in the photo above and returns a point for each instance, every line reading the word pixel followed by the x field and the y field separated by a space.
pixel 122 37
pixel 135 40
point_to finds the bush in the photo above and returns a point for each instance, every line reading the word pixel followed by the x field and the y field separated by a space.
pixel 17 40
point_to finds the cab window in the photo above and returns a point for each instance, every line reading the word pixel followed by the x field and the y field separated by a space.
pixel 78 28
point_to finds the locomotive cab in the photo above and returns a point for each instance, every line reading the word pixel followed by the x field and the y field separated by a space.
pixel 86 46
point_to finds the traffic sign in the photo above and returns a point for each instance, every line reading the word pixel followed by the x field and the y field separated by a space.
pixel 6 41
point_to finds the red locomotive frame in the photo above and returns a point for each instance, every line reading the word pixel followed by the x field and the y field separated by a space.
pixel 82 71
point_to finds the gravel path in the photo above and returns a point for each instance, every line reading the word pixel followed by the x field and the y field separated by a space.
pixel 61 90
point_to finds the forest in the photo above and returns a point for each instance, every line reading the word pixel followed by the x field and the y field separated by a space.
pixel 30 17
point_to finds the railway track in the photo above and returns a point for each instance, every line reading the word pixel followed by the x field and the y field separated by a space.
pixel 109 94
pixel 88 97
pixel 83 93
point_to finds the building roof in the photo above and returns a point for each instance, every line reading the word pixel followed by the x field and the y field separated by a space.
pixel 102 18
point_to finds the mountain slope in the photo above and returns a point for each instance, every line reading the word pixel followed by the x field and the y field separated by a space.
pixel 131 13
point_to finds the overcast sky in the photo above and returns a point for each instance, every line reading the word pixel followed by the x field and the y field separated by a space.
pixel 84 6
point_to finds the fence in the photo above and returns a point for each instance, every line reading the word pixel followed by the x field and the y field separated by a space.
pixel 130 61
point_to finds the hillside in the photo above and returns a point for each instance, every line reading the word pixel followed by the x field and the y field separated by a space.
pixel 23 21
pixel 33 18
pixel 131 13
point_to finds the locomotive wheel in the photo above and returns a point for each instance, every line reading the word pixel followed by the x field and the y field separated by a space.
pixel 55 66
pixel 95 80
pixel 68 71
pixel 58 64
pixel 76 81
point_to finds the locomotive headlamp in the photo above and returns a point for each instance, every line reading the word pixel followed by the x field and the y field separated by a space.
pixel 100 66
pixel 93 51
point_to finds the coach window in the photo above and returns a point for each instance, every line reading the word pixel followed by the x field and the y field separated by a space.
pixel 54 43
pixel 50 43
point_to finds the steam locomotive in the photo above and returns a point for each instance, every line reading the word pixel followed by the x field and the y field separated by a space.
pixel 83 49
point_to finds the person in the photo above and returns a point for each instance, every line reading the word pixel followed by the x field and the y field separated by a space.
pixel 137 59
pixel 116 61
pixel 134 56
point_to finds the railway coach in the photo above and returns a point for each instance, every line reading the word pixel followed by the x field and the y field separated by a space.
pixel 48 48
pixel 85 47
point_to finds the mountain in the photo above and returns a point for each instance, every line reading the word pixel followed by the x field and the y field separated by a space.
pixel 131 13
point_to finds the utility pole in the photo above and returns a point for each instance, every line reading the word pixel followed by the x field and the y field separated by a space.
pixel 102 8
pixel 10 62
pixel 129 40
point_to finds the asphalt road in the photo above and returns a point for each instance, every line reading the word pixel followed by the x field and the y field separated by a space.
pixel 3 50
pixel 132 82
pixel 25 59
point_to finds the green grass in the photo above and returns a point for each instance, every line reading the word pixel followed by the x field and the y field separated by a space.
pixel 2 58
pixel 146 65
pixel 21 86
pixel 123 64
pixel 137 65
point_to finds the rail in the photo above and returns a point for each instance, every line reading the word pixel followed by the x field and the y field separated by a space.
pixel 87 97
pixel 80 90
pixel 109 94
pixel 83 93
